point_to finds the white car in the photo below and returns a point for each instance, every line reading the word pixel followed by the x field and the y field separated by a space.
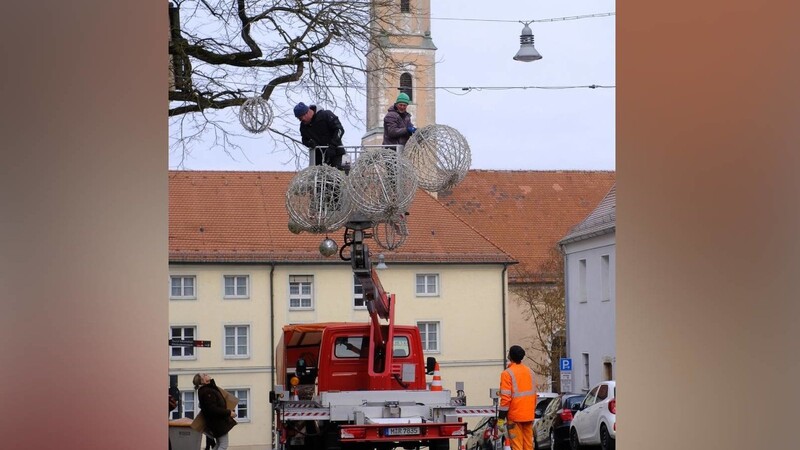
pixel 595 421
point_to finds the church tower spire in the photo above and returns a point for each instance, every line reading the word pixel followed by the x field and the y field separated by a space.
pixel 404 63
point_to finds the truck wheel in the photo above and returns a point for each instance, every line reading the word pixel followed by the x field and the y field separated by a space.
pixel 331 437
pixel 357 446
pixel 441 444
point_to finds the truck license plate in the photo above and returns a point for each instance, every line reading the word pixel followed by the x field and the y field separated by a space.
pixel 402 431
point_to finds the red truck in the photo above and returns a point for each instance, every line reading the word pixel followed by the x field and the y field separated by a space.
pixel 361 385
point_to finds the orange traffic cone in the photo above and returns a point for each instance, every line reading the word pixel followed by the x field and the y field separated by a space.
pixel 436 384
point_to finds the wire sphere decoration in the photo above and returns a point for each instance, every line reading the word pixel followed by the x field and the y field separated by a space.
pixel 317 201
pixel 391 234
pixel 381 184
pixel 440 155
pixel 255 115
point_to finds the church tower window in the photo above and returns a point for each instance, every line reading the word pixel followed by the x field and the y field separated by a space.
pixel 406 85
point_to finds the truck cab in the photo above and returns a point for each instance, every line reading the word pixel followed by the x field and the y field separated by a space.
pixel 330 357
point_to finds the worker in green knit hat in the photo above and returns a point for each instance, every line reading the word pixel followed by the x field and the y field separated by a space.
pixel 397 126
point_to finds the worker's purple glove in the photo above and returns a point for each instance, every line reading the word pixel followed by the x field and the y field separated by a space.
pixel 411 129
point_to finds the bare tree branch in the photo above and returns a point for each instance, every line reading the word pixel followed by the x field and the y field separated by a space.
pixel 544 308
pixel 224 52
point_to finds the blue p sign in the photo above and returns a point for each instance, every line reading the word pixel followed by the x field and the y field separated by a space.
pixel 565 363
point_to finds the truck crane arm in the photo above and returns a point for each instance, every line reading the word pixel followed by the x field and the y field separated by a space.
pixel 379 303
pixel 376 298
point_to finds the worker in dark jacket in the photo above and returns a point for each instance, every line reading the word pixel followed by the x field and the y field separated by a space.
pixel 321 128
pixel 397 126
pixel 219 419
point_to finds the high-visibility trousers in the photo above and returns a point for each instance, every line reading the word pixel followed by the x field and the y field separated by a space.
pixel 521 435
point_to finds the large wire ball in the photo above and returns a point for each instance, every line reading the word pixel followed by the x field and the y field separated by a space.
pixel 440 155
pixel 255 115
pixel 381 184
pixel 391 234
pixel 317 201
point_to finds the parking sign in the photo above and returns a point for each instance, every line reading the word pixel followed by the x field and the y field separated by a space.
pixel 565 363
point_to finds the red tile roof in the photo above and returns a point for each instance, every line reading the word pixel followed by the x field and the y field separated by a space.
pixel 218 216
pixel 527 212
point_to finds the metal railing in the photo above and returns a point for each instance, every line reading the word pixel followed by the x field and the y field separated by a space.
pixel 352 152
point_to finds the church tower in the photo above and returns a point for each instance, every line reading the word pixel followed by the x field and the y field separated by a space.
pixel 404 63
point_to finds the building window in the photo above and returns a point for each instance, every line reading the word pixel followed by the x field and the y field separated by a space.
pixel 182 333
pixel 186 408
pixel 182 287
pixel 604 278
pixel 405 6
pixel 242 408
pixel 429 331
pixel 407 85
pixel 585 371
pixel 358 294
pixel 608 371
pixel 582 296
pixel 237 341
pixel 301 291
pixel 236 286
pixel 427 284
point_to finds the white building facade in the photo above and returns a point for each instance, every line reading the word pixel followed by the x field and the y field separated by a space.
pixel 589 265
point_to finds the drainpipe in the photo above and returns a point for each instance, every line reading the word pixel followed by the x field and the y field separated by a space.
pixel 272 322
pixel 563 249
pixel 503 290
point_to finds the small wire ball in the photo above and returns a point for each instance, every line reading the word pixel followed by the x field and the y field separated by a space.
pixel 255 115
pixel 381 184
pixel 317 201
pixel 391 234
pixel 440 155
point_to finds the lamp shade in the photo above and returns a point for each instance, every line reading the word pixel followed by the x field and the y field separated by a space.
pixel 527 52
pixel 381 262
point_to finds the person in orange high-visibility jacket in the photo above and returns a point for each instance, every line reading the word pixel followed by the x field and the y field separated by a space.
pixel 517 401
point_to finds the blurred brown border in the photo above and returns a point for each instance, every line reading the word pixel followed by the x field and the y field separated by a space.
pixel 83 225
pixel 707 154
pixel 707 141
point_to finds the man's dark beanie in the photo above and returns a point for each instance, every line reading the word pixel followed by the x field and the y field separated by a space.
pixel 300 110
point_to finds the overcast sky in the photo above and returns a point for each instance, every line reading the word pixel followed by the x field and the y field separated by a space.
pixel 530 129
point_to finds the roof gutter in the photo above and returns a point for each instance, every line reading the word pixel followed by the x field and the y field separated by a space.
pixel 588 235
